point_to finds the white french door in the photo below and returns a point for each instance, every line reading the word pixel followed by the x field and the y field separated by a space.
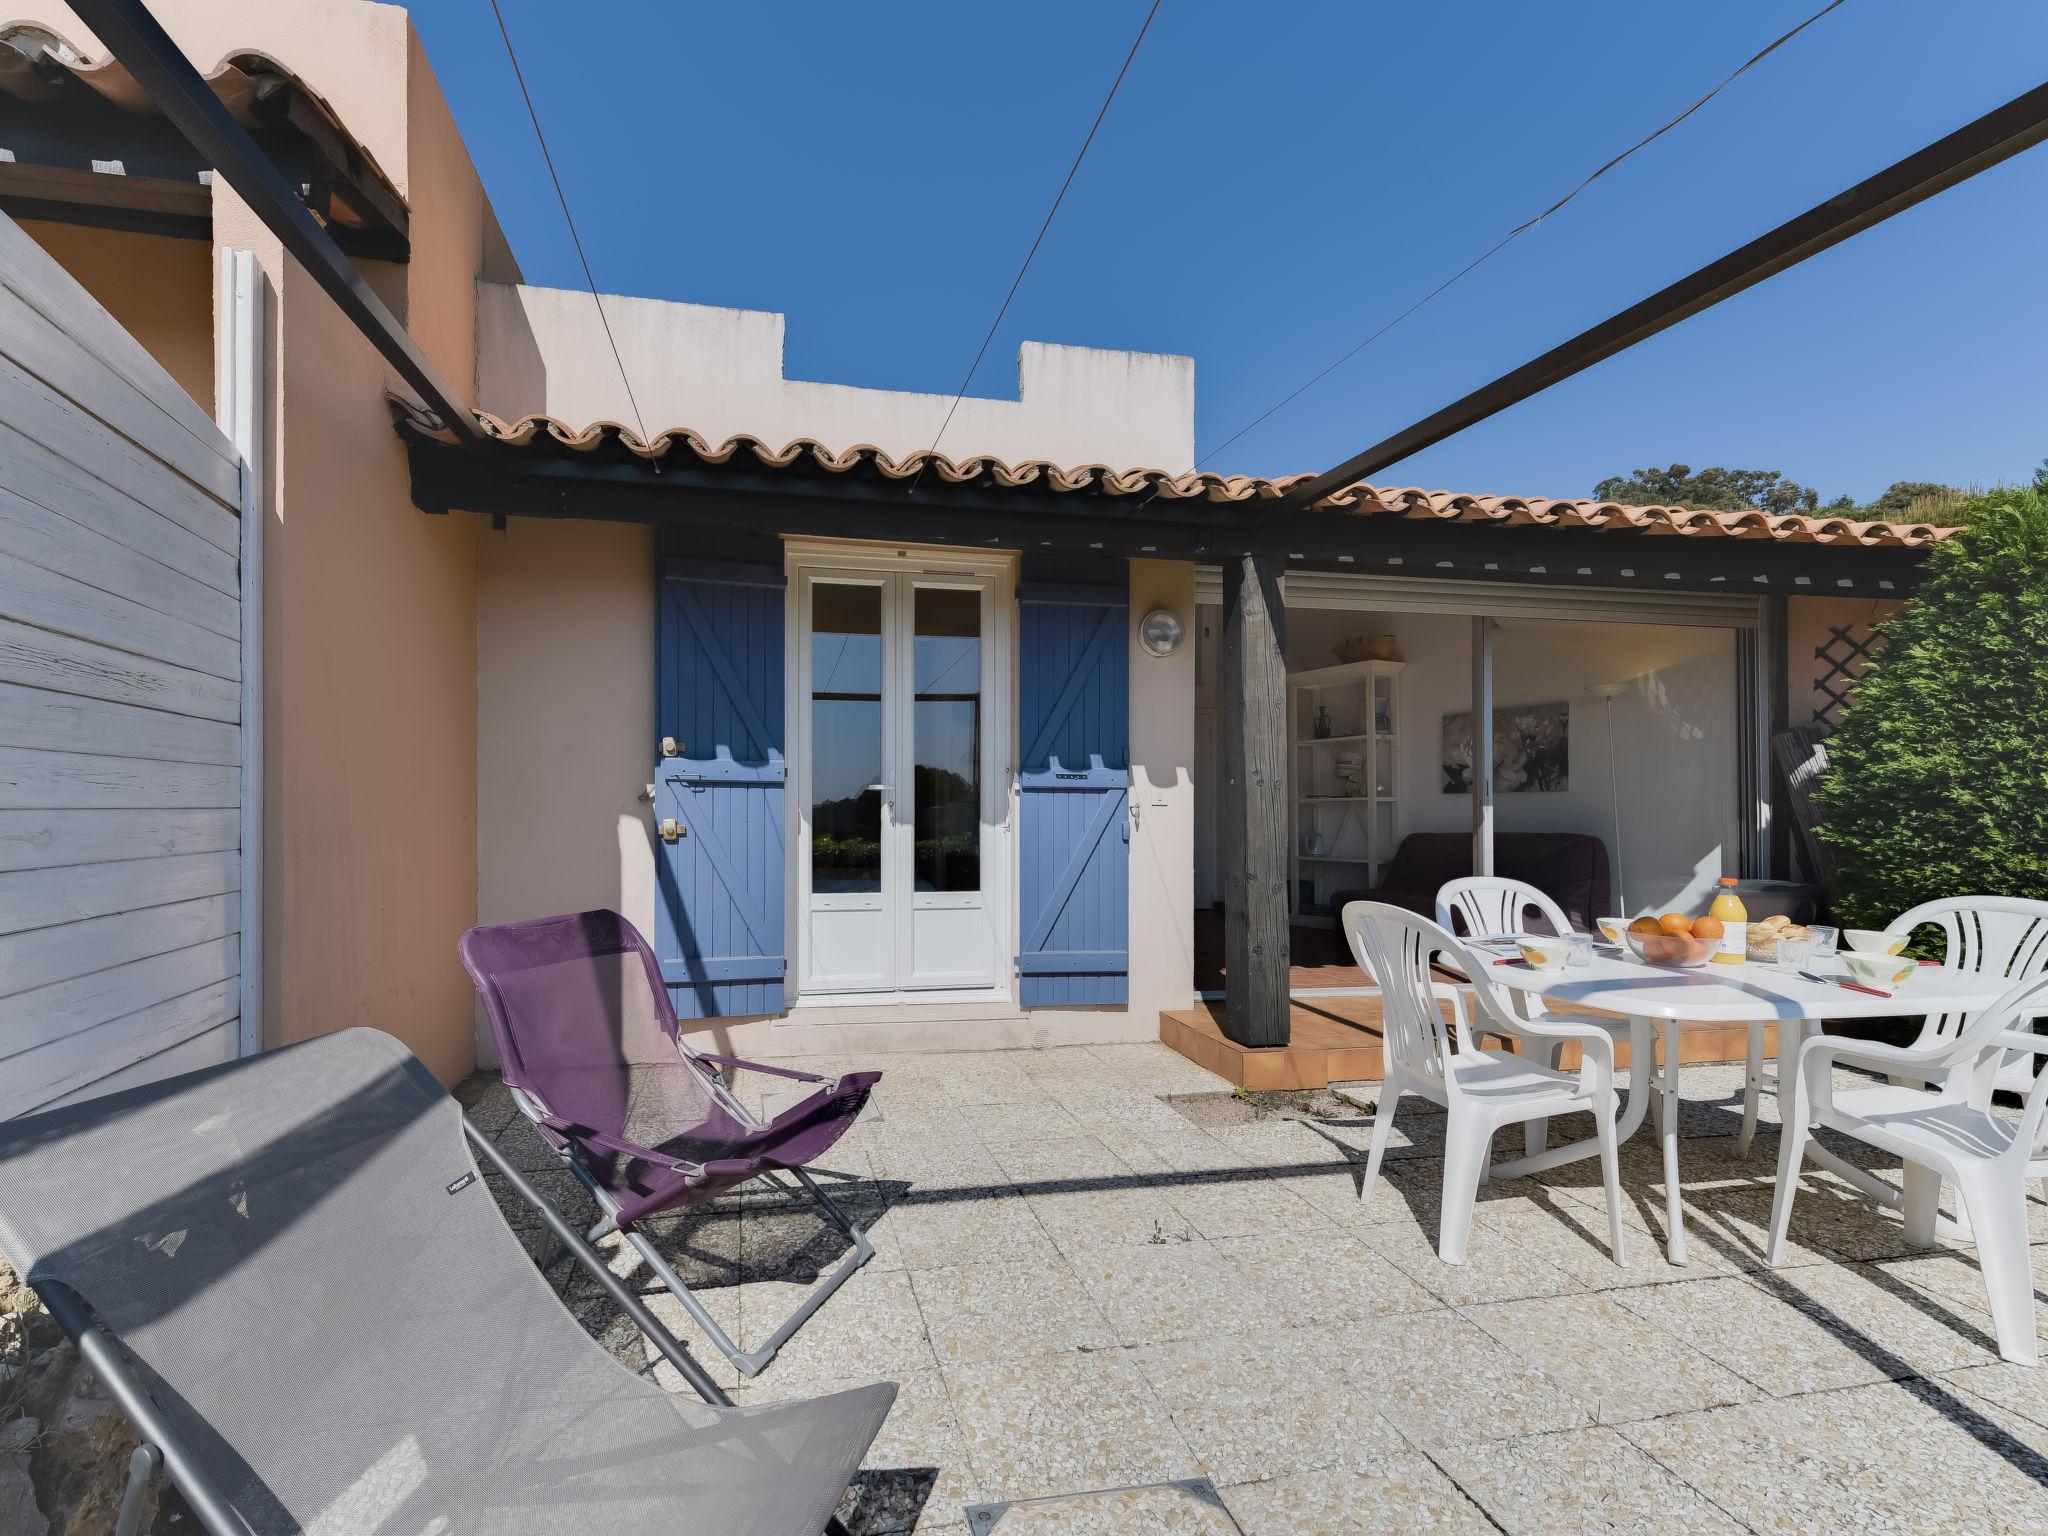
pixel 903 805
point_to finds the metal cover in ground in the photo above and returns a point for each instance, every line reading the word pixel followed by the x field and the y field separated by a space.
pixel 1191 1507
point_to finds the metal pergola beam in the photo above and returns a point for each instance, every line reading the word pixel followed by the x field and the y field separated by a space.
pixel 1995 137
pixel 139 41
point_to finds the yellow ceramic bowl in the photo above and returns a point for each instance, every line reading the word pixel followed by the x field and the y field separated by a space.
pixel 1881 971
pixel 1542 952
pixel 1612 929
pixel 1868 941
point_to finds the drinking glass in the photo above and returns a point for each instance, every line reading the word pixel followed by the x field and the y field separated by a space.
pixel 1825 940
pixel 1581 951
pixel 1794 953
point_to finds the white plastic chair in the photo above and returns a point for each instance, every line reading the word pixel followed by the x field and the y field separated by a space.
pixel 1440 1059
pixel 1940 1136
pixel 1490 905
pixel 1984 935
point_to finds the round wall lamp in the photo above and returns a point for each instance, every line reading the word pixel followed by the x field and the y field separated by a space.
pixel 1159 632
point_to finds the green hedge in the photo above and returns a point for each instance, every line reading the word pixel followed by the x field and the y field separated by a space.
pixel 1939 774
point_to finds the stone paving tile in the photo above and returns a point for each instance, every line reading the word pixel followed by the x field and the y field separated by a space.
pixel 1620 1365
pixel 1240 1203
pixel 1021 1120
pixel 1588 1482
pixel 1319 1277
pixel 1081 1219
pixel 871 1329
pixel 1500 1264
pixel 1925 1336
pixel 939 1230
pixel 1153 1292
pixel 1062 1423
pixel 1263 1405
pixel 1767 1340
pixel 1403 1494
pixel 1006 1311
pixel 1441 1380
pixel 1069 1157
pixel 1895 1458
pixel 724 1307
pixel 2017 1395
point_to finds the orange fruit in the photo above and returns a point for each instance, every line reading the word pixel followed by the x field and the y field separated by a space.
pixel 1645 927
pixel 1708 928
pixel 1677 924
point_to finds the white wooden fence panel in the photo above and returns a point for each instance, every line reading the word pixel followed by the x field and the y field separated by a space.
pixel 47 839
pixel 31 407
pixel 78 724
pixel 41 658
pixel 42 537
pixel 209 1048
pixel 49 480
pixel 121 752
pixel 71 607
pixel 105 1056
pixel 39 348
pixel 45 955
pixel 47 288
pixel 32 898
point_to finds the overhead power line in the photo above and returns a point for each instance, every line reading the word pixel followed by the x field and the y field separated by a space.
pixel 570 219
pixel 1516 233
pixel 1018 280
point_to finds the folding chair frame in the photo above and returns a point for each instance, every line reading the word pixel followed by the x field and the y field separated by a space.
pixel 164 1450
pixel 749 1363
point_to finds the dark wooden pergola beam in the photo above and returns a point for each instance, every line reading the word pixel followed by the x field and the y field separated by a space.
pixel 1995 137
pixel 138 40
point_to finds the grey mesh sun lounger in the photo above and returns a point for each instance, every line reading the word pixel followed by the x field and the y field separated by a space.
pixel 289 1274
pixel 588 1044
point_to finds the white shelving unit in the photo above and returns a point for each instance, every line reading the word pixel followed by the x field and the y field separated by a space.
pixel 1344 825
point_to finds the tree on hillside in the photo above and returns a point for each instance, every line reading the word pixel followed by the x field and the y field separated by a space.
pixel 1901 494
pixel 1939 776
pixel 1710 490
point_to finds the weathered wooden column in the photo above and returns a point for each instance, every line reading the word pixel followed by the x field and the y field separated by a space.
pixel 1253 841
pixel 1482 745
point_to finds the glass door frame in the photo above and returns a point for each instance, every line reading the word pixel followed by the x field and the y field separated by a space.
pixel 900 571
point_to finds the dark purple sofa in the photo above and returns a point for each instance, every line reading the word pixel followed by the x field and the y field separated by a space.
pixel 1568 867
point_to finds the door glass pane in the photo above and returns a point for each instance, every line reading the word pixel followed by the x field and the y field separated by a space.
pixel 846 736
pixel 947 794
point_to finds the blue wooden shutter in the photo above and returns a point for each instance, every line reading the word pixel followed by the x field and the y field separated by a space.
pixel 1074 829
pixel 718 913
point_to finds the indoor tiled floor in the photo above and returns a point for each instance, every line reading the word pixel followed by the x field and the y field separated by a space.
pixel 1080 1289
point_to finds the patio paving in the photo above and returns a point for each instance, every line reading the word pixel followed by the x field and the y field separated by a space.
pixel 1087 1289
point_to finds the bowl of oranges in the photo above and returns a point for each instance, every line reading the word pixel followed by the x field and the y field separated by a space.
pixel 1674 939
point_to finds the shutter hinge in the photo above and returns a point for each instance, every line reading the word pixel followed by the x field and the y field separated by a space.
pixel 671 829
pixel 670 747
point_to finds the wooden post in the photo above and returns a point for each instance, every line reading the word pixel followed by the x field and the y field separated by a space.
pixel 1253 844
pixel 1482 745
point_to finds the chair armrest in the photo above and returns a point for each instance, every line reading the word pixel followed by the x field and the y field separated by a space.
pixel 1926 1063
pixel 759 1066
pixel 2022 1040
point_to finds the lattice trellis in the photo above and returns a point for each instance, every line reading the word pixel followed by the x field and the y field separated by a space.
pixel 1844 657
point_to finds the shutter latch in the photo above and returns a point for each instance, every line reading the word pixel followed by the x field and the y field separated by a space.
pixel 671 829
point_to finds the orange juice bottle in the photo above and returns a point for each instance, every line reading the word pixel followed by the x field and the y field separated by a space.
pixel 1734 918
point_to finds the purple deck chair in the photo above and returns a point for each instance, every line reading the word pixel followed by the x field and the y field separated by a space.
pixel 588 1045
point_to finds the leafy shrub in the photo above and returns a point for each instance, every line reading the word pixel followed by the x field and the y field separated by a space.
pixel 1939 778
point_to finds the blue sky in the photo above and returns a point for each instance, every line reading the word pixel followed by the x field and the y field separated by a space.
pixel 1275 181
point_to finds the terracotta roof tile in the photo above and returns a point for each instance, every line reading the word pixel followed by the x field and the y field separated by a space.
pixel 1359 500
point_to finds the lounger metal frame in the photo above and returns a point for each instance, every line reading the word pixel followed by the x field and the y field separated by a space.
pixel 749 1363
pixel 163 1450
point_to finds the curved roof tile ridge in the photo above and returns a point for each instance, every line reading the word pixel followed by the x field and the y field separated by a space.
pixel 1358 500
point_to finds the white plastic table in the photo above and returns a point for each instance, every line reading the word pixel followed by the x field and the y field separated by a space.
pixel 1655 998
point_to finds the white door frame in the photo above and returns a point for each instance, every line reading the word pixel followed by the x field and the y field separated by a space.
pixel 808 561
